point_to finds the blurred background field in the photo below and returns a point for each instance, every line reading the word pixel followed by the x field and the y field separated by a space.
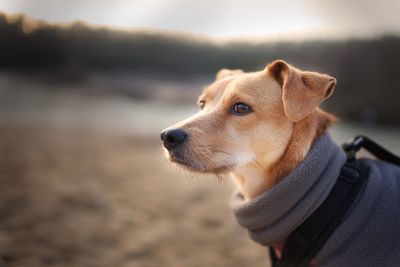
pixel 83 178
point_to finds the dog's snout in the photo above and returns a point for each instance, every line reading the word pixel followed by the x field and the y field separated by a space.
pixel 173 138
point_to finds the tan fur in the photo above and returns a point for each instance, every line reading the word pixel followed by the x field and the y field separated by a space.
pixel 259 148
pixel 302 91
pixel 223 73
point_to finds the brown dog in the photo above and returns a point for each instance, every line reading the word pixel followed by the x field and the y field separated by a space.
pixel 256 126
pixel 266 130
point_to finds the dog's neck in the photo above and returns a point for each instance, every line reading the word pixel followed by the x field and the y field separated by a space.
pixel 254 179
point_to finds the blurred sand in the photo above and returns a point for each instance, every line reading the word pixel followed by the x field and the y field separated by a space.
pixel 73 197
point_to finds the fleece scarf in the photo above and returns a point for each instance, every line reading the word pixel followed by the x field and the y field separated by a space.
pixel 370 232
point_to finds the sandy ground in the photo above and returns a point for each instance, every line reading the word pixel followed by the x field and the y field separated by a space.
pixel 73 197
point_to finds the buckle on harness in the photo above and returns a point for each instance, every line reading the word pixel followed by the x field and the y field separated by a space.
pixel 352 146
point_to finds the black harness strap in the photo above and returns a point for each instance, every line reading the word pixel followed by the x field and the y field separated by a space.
pixel 305 242
pixel 353 145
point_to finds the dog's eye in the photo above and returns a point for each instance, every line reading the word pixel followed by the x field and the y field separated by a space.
pixel 241 109
pixel 202 103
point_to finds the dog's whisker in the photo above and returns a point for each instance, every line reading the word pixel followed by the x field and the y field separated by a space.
pixel 218 178
pixel 220 151
pixel 258 163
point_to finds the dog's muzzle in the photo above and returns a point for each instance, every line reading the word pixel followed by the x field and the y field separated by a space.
pixel 173 138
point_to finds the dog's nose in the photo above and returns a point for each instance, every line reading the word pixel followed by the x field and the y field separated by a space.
pixel 173 138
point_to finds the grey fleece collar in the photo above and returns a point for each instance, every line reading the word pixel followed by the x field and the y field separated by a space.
pixel 273 215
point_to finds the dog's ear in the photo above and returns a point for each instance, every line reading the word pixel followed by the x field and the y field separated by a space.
pixel 302 91
pixel 226 73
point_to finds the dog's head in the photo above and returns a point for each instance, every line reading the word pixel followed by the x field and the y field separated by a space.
pixel 246 118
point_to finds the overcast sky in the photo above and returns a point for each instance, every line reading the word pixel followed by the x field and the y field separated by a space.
pixel 226 18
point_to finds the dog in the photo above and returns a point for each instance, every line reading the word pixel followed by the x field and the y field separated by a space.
pixel 267 131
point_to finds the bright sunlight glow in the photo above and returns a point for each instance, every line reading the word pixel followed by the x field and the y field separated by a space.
pixel 224 18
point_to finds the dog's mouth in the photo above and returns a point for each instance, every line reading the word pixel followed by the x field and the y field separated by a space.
pixel 187 163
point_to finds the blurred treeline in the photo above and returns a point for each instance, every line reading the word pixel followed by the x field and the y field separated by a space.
pixel 366 69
